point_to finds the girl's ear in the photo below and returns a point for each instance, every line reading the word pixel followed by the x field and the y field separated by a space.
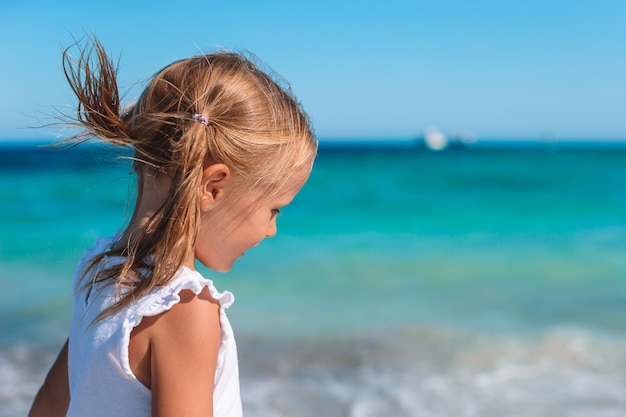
pixel 214 178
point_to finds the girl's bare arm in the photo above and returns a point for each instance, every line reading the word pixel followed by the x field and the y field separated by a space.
pixel 53 397
pixel 184 344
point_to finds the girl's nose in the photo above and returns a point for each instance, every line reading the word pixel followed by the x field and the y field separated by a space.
pixel 271 232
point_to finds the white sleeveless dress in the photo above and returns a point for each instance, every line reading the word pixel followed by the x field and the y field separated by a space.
pixel 100 379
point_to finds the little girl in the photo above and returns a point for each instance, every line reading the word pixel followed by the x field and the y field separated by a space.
pixel 218 149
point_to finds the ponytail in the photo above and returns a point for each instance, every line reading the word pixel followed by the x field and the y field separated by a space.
pixel 93 79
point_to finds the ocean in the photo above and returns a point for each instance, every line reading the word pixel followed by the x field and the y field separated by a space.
pixel 480 281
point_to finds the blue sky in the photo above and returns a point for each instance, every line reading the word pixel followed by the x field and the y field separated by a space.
pixel 362 69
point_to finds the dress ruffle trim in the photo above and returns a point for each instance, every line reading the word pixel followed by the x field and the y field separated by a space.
pixel 164 298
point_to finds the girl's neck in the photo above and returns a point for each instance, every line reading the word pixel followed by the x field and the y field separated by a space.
pixel 152 192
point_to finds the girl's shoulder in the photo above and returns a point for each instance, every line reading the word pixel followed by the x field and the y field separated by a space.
pixel 179 345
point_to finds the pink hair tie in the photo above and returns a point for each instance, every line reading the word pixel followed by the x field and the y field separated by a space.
pixel 200 118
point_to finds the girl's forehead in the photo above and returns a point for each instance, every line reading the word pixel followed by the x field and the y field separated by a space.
pixel 295 182
pixel 283 193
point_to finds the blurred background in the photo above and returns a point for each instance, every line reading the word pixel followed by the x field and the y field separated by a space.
pixel 458 250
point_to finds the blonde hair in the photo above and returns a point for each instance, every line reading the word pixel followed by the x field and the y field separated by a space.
pixel 253 126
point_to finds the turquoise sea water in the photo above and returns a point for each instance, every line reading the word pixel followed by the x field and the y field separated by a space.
pixel 482 281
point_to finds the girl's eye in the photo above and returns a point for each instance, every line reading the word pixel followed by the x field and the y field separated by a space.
pixel 275 212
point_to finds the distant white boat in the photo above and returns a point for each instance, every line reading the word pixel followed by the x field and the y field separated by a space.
pixel 435 140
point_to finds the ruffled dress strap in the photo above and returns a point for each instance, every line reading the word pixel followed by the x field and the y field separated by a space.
pixel 165 297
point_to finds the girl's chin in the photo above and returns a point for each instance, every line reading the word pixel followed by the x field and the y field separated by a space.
pixel 223 268
pixel 219 267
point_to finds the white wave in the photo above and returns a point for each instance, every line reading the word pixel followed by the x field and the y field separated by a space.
pixel 558 373
pixel 22 370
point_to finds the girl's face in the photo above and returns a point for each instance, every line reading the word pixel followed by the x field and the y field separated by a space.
pixel 232 226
